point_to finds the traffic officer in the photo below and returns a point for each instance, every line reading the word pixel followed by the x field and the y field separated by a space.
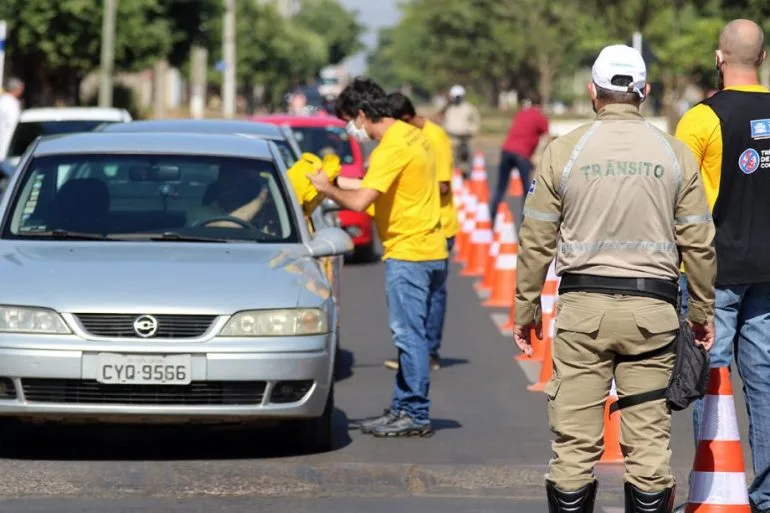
pixel 616 201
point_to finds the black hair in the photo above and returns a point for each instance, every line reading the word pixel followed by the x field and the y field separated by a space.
pixel 366 95
pixel 402 106
pixel 533 97
pixel 629 97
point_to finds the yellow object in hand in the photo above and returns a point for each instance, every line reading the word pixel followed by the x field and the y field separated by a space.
pixel 309 163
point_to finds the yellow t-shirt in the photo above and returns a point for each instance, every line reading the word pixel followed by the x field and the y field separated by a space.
pixel 442 156
pixel 701 131
pixel 408 211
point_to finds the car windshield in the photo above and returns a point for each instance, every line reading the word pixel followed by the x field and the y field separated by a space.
pixel 286 152
pixel 323 140
pixel 151 197
pixel 28 131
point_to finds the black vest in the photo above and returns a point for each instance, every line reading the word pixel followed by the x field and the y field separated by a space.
pixel 742 209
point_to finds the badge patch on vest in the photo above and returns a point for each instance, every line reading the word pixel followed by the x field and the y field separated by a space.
pixel 760 129
pixel 532 186
pixel 749 161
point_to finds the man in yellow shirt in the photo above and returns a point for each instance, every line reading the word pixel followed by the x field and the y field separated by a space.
pixel 441 146
pixel 408 219
pixel 729 133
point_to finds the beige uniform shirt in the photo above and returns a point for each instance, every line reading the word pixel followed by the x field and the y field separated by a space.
pixel 617 197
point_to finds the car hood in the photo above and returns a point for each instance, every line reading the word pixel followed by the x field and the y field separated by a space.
pixel 159 277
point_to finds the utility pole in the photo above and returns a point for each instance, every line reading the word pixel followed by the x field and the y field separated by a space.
pixel 198 82
pixel 109 14
pixel 228 53
pixel 3 34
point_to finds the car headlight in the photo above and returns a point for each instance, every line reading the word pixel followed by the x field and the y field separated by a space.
pixel 276 323
pixel 21 319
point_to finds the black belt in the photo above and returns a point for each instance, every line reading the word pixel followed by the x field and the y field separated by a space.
pixel 665 290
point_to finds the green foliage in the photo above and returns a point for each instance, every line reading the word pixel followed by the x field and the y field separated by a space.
pixel 338 27
pixel 488 45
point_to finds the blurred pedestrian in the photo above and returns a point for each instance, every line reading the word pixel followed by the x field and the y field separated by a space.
pixel 10 110
pixel 462 122
pixel 617 202
pixel 401 183
pixel 729 134
pixel 441 146
pixel 528 126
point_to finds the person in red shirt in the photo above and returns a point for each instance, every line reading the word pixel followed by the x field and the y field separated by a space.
pixel 529 124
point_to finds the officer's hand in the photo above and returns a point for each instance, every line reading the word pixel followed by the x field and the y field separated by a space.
pixel 522 336
pixel 320 181
pixel 704 333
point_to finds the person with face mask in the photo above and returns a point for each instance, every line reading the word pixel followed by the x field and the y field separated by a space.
pixel 618 203
pixel 401 183
pixel 729 134
pixel 462 122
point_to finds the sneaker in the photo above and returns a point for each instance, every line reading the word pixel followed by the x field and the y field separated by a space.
pixel 403 425
pixel 365 425
pixel 392 363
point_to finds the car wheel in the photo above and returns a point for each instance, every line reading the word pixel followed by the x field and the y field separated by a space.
pixel 316 435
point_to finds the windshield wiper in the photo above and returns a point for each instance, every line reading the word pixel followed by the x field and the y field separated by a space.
pixel 166 236
pixel 65 234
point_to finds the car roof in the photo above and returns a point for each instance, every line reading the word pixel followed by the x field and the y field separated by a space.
pixel 208 126
pixel 160 142
pixel 321 120
pixel 74 114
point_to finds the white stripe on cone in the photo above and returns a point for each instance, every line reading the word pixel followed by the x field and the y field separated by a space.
pixel 506 262
pixel 721 424
pixel 724 488
pixel 481 236
pixel 548 303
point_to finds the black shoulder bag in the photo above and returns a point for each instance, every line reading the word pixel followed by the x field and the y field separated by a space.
pixel 689 378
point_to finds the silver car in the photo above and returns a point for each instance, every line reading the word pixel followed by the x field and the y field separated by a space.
pixel 165 277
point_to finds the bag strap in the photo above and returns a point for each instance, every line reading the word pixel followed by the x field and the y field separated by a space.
pixel 643 397
pixel 637 399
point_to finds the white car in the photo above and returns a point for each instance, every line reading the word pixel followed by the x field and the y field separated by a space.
pixel 57 120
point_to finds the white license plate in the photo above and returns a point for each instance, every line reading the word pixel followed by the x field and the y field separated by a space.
pixel 144 369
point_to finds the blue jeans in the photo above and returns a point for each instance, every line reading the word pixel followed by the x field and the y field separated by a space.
pixel 742 324
pixel 437 313
pixel 410 289
pixel 508 161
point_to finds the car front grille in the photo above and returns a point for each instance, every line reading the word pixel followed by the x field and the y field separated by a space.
pixel 204 393
pixel 122 325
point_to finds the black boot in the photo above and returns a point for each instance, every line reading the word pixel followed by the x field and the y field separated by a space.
pixel 579 501
pixel 638 501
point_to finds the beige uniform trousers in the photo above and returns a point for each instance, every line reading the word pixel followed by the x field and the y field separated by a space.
pixel 590 330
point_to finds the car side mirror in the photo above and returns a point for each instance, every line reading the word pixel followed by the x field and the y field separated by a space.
pixel 329 206
pixel 330 242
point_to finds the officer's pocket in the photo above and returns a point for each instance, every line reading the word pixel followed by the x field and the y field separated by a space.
pixel 657 319
pixel 552 387
pixel 572 317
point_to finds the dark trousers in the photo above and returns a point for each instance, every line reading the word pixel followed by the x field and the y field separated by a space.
pixel 508 161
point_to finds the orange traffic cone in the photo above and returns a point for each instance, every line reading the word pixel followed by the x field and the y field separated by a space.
pixel 457 186
pixel 478 178
pixel 612 452
pixel 548 299
pixel 489 275
pixel 546 369
pixel 515 187
pixel 481 239
pixel 466 229
pixel 504 288
pixel 718 474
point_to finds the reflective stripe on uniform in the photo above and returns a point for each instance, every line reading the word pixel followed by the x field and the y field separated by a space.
pixel 541 216
pixel 602 245
pixel 573 157
pixel 703 218
pixel 670 150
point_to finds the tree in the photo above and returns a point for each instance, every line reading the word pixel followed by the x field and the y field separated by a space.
pixel 338 27
pixel 53 44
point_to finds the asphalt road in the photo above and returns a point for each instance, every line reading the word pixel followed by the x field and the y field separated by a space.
pixel 489 454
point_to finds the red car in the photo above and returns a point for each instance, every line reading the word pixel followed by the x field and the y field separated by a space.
pixel 322 133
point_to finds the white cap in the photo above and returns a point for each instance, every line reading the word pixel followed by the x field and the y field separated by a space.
pixel 620 60
pixel 457 90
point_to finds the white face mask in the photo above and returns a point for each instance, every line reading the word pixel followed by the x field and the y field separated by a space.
pixel 359 133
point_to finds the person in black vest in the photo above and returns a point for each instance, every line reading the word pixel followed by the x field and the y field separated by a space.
pixel 729 133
